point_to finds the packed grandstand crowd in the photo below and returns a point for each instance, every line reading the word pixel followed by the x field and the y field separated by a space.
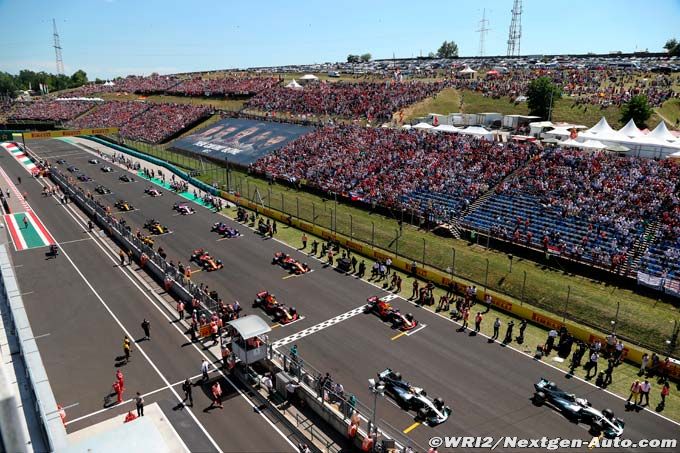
pixel 602 87
pixel 161 121
pixel 383 165
pixel 224 86
pixel 588 206
pixel 350 100
pixel 56 111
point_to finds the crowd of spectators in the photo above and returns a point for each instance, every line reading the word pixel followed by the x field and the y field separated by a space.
pixel 224 86
pixel 57 110
pixel 606 200
pixel 351 100
pixel 153 84
pixel 602 87
pixel 110 114
pixel 385 166
pixel 162 121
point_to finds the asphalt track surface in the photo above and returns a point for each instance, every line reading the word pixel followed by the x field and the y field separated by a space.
pixel 488 386
pixel 81 342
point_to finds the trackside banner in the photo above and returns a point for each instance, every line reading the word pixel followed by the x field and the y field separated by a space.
pixel 70 133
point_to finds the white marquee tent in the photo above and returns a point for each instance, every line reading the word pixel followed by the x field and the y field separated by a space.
pixel 659 143
pixel 423 126
pixel 293 84
pixel 631 130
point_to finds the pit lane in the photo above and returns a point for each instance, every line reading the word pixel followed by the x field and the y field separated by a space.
pixel 488 386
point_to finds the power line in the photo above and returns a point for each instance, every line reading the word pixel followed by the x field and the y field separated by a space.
pixel 515 33
pixel 483 29
pixel 57 49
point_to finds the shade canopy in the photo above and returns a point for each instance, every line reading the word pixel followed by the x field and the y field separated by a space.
pixel 250 326
pixel 631 130
pixel 423 126
pixel 446 128
pixel 293 84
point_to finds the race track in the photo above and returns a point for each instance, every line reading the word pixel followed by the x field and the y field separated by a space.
pixel 488 386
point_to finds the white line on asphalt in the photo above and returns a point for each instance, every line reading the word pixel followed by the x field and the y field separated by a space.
pixel 41 336
pixel 319 327
pixel 164 314
pixel 160 389
pixel 395 296
pixel 458 324
pixel 139 348
pixel 75 240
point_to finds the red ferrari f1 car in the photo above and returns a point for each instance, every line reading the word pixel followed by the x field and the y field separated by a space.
pixel 289 263
pixel 278 311
pixel 205 260
pixel 388 313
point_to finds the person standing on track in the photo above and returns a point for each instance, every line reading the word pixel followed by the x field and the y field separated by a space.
pixel 139 402
pixel 146 327
pixel 205 368
pixel 187 387
pixel 121 254
pixel 127 348
pixel 120 379
pixel 25 220
pixel 217 395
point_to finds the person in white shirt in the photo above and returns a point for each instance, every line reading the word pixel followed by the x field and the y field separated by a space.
pixel 205 368
pixel 645 388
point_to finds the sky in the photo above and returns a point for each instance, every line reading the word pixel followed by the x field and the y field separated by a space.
pixel 108 38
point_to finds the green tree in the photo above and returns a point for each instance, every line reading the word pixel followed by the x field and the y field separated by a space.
pixel 8 85
pixel 78 78
pixel 673 47
pixel 353 58
pixel 636 109
pixel 366 57
pixel 541 96
pixel 448 49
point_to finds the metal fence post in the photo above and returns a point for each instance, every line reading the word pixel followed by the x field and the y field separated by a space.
pixel 351 228
pixel 313 216
pixel 372 234
pixel 453 261
pixel 566 304
pixel 283 208
pixel 297 207
pixel 396 242
pixel 269 197
pixel 486 276
pixel 423 253
pixel 524 283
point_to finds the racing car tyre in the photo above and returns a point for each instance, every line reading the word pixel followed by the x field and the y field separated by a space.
pixel 422 414
pixel 596 427
pixel 438 403
pixel 397 376
pixel 539 398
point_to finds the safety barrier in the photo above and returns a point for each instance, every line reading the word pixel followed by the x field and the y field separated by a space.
pixel 45 406
pixel 632 353
pixel 342 411
pixel 174 282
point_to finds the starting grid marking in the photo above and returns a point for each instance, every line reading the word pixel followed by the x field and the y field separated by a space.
pixel 324 325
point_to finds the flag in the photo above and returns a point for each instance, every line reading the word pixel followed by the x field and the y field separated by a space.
pixel 435 122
